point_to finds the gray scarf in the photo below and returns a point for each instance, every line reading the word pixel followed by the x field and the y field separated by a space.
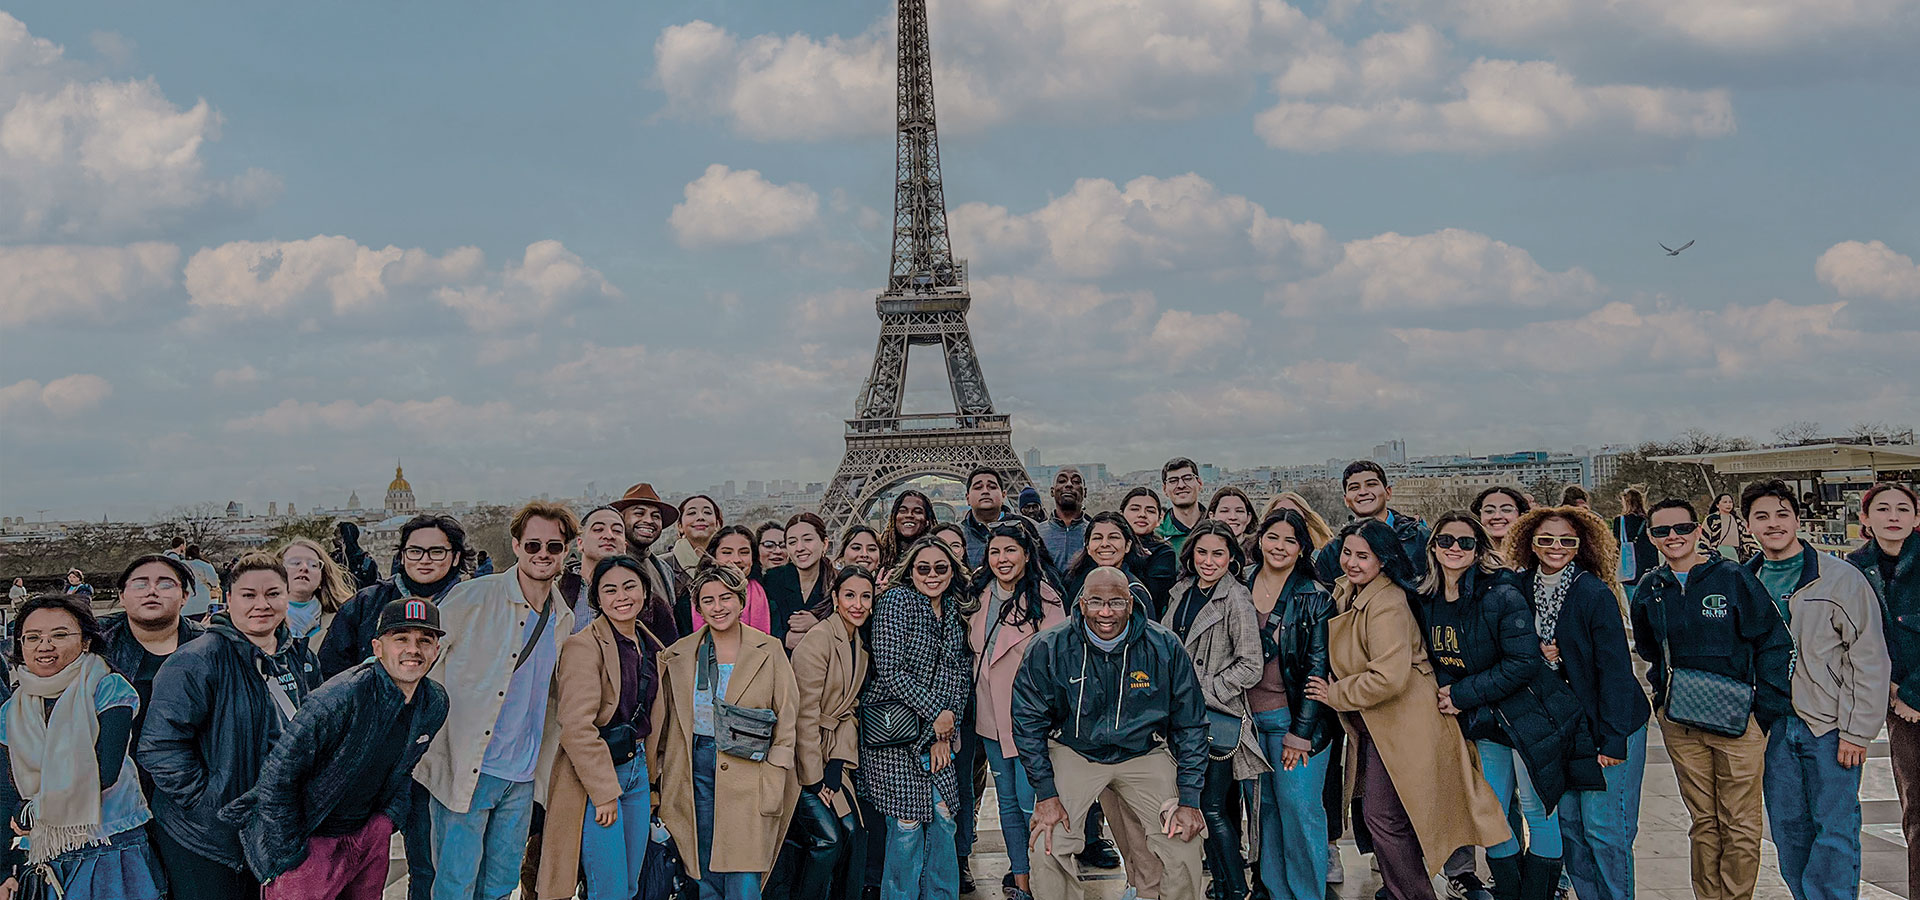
pixel 1549 594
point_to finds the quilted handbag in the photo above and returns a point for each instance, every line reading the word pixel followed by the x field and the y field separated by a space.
pixel 1223 733
pixel 888 723
pixel 1712 702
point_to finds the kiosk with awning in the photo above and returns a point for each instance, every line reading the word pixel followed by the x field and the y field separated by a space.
pixel 1840 474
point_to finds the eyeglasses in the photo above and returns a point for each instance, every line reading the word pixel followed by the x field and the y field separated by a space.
pixel 553 548
pixel 159 585
pixel 41 637
pixel 925 569
pixel 772 545
pixel 1183 479
pixel 438 554
pixel 302 564
pixel 1549 541
pixel 1680 528
pixel 1096 605
pixel 1448 542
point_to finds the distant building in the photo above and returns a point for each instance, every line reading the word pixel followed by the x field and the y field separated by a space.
pixel 1033 458
pixel 353 500
pixel 1522 468
pixel 400 500
pixel 1391 453
pixel 273 509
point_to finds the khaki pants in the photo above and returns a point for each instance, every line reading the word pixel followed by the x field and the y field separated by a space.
pixel 1720 781
pixel 1144 870
pixel 1140 786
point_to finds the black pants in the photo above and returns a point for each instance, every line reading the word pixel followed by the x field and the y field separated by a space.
pixel 1220 806
pixel 826 854
pixel 419 840
pixel 198 877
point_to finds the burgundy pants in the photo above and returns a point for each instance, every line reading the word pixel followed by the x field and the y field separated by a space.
pixel 1903 739
pixel 349 867
pixel 1403 867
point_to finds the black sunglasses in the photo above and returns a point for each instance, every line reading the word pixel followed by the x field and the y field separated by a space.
pixel 931 568
pixel 1682 528
pixel 554 548
pixel 1447 542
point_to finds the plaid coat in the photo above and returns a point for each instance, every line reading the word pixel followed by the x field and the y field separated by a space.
pixel 922 661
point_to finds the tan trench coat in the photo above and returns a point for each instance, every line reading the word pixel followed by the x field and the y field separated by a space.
pixel 830 668
pixel 1380 667
pixel 752 801
pixel 587 681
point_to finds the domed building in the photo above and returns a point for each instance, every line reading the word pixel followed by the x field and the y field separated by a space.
pixel 400 499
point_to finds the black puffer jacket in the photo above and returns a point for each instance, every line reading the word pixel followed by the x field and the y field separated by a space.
pixel 314 766
pixel 1411 531
pixel 348 639
pixel 1110 706
pixel 1900 608
pixel 1297 630
pixel 1157 567
pixel 1485 651
pixel 211 725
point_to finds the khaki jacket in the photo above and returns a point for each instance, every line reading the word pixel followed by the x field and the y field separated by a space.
pixel 829 666
pixel 484 619
pixel 752 801
pixel 1381 672
pixel 588 684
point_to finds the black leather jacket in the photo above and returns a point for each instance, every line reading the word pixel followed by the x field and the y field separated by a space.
pixel 1298 629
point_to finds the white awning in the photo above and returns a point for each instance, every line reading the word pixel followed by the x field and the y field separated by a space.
pixel 1811 458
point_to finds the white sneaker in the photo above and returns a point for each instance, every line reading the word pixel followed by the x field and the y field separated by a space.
pixel 1129 894
pixel 1336 874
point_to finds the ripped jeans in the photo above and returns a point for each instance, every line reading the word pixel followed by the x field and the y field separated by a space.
pixel 921 858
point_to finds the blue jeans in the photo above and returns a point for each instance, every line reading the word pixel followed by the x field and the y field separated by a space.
pixel 1507 775
pixel 477 853
pixel 714 885
pixel 921 858
pixel 1293 818
pixel 613 855
pixel 1813 805
pixel 1010 787
pixel 1599 828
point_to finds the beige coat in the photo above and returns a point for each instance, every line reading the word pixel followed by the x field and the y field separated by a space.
pixel 752 801
pixel 830 666
pixel 1381 672
pixel 1224 642
pixel 484 619
pixel 588 682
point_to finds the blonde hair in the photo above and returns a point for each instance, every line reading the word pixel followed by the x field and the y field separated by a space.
pixel 333 591
pixel 1316 526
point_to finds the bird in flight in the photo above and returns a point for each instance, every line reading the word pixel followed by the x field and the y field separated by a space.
pixel 1675 251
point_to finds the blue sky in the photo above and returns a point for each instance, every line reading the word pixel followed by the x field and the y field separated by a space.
pixel 260 252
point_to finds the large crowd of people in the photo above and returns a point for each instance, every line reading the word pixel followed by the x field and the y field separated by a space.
pixel 1202 692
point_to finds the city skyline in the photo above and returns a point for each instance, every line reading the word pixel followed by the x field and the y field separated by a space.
pixel 259 256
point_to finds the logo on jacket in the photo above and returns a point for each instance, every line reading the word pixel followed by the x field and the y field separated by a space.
pixel 1713 606
pixel 1139 681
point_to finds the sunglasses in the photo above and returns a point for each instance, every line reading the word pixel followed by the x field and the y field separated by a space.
pixel 1549 541
pixel 1683 529
pixel 553 548
pixel 1448 542
pixel 925 569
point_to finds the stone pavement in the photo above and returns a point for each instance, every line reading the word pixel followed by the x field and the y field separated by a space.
pixel 1662 870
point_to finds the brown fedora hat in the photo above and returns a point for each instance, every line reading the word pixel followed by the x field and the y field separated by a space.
pixel 644 493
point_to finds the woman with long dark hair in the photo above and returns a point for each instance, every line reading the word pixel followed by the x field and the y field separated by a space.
pixel 919 686
pixel 598 807
pixel 1231 506
pixel 1528 726
pixel 1424 793
pixel 1213 614
pixel 1498 508
pixel 860 546
pixel 1295 733
pixel 830 664
pixel 1726 532
pixel 1152 560
pixel 1017 600
pixel 64 737
pixel 909 520
pixel 1569 560
pixel 797 593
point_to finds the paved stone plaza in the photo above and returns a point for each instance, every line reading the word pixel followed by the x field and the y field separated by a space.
pixel 1661 849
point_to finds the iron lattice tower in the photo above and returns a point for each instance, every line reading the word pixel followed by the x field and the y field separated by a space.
pixel 925 302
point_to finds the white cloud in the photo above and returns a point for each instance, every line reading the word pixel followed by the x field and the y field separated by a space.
pixel 65 397
pixel 724 206
pixel 1153 224
pixel 91 159
pixel 440 416
pixel 53 282
pixel 1491 106
pixel 1872 269
pixel 1182 338
pixel 338 275
pixel 1446 271
pixel 994 60
pixel 241 376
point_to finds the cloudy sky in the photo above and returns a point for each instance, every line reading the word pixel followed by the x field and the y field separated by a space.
pixel 260 254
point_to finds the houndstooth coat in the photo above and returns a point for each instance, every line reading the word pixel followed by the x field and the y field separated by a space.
pixel 923 662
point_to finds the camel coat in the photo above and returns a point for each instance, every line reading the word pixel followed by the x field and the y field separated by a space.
pixel 752 801
pixel 1381 672
pixel 588 683
pixel 830 665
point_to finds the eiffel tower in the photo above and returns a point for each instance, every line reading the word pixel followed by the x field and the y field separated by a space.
pixel 925 302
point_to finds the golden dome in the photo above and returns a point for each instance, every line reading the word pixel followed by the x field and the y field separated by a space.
pixel 399 481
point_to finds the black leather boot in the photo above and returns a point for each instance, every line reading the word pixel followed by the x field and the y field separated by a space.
pixel 1539 877
pixel 1507 877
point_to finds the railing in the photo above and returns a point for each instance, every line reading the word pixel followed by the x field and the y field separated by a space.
pixel 930 422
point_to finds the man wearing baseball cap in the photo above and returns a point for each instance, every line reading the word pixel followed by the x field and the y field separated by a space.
pixel 335 788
